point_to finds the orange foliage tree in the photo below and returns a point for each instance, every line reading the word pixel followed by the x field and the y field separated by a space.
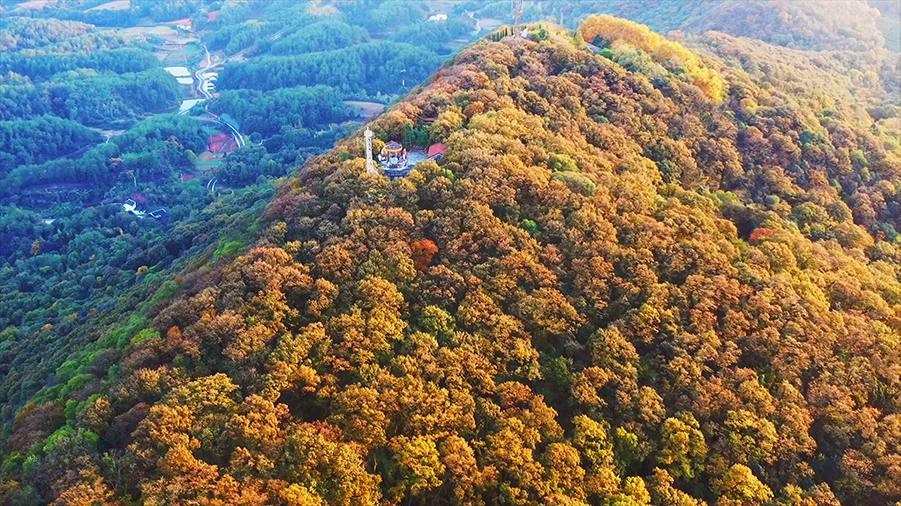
pixel 422 252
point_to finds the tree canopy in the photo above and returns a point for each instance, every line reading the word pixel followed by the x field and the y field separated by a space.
pixel 628 282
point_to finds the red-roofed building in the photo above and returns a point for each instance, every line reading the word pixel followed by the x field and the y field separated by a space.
pixel 188 177
pixel 212 17
pixel 183 24
pixel 436 152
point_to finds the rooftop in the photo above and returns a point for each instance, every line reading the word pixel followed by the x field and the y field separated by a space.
pixel 436 149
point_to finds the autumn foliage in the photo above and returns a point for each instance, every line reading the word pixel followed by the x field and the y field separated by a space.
pixel 762 233
pixel 616 30
pixel 422 252
pixel 604 324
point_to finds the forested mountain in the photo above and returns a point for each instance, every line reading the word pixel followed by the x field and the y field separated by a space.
pixel 91 98
pixel 40 67
pixel 642 275
pixel 60 82
pixel 374 68
pixel 267 113
pixel 845 24
pixel 21 33
pixel 321 36
pixel 20 140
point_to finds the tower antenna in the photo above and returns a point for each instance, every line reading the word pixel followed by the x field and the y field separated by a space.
pixel 516 5
pixel 370 165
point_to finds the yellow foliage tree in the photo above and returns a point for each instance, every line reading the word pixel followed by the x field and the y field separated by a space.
pixel 419 462
pixel 739 487
pixel 613 29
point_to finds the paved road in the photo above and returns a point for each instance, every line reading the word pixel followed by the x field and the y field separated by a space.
pixel 200 73
pixel 201 79
pixel 477 20
pixel 239 139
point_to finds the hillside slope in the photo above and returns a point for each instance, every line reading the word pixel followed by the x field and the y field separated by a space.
pixel 623 285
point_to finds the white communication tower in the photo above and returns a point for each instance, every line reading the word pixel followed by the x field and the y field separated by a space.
pixel 370 164
pixel 516 6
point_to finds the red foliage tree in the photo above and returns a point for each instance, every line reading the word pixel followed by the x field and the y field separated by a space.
pixel 762 233
pixel 422 253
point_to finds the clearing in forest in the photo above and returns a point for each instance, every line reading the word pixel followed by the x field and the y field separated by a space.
pixel 364 109
pixel 116 5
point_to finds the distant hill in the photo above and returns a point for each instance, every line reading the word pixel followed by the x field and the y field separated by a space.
pixel 840 24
